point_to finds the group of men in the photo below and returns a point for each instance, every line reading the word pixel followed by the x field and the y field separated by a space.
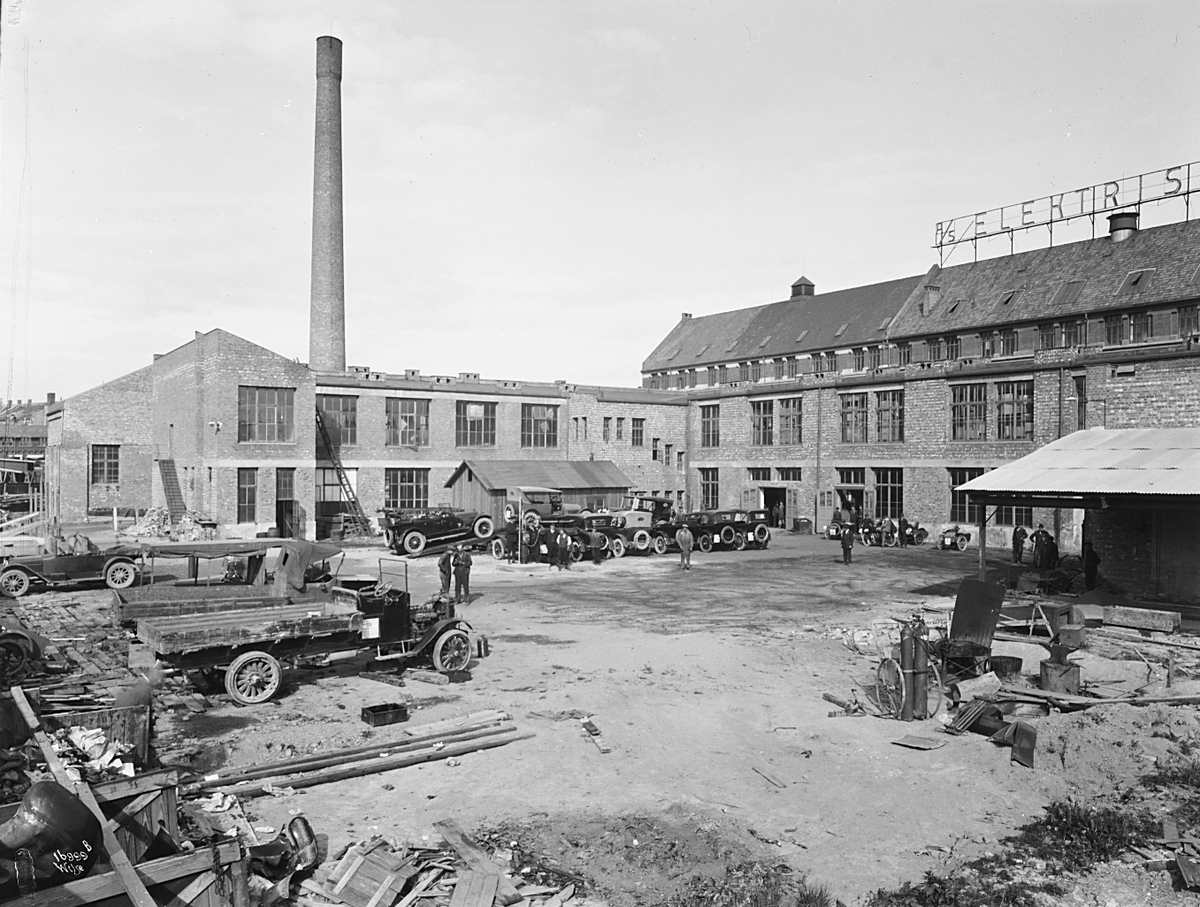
pixel 558 547
pixel 457 560
pixel 1045 553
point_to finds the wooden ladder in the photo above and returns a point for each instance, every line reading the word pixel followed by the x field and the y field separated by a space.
pixel 358 522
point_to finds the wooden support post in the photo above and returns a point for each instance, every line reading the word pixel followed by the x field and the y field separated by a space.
pixel 982 542
pixel 116 856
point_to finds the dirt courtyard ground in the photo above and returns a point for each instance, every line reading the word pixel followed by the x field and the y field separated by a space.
pixel 707 686
pixel 696 680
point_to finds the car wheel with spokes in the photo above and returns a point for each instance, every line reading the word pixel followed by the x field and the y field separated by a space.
pixel 14 583
pixel 253 677
pixel 452 651
pixel 414 543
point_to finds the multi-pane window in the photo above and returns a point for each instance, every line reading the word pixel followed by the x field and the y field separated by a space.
pixel 680 380
pixel 620 428
pixel 854 418
pixel 904 353
pixel 788 473
pixel 407 422
pixel 328 494
pixel 606 431
pixel 340 415
pixel 710 426
pixel 789 420
pixel 1008 342
pixel 762 423
pixel 1072 333
pixel 1010 516
pixel 709 488
pixel 889 492
pixel 539 425
pixel 691 377
pixel 860 359
pixel 406 489
pixel 968 412
pixel 1081 401
pixel 1189 320
pixel 778 369
pixel 889 416
pixel 637 432
pixel 106 464
pixel 667 453
pixel 247 495
pixel 1141 326
pixel 759 473
pixel 937 350
pixel 679 459
pixel 961 510
pixel 756 370
pixel 266 414
pixel 987 344
pixel 1113 335
pixel 722 374
pixel 654 448
pixel 874 357
pixel 793 367
pixel 712 375
pixel 1014 409
pixel 953 347
pixel 851 475
pixel 1047 336
pixel 474 424
pixel 743 372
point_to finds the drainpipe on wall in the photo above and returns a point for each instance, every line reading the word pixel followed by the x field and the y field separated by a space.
pixel 817 493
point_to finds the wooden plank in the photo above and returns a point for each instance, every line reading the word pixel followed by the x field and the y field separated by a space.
pixel 101 886
pixel 1142 618
pixel 122 788
pixel 768 776
pixel 561 898
pixel 240 628
pixel 476 859
pixel 116 856
pixel 193 891
pixel 383 764
pixel 421 886
pixel 475 889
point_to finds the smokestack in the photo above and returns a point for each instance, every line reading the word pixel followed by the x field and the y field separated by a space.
pixel 327 309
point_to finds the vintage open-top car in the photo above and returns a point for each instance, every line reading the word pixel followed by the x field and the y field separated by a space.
pixel 79 561
pixel 409 531
pixel 535 504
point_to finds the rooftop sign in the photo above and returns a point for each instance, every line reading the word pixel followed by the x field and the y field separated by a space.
pixel 1104 198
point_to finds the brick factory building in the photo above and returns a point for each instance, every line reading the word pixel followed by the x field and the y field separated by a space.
pixel 888 397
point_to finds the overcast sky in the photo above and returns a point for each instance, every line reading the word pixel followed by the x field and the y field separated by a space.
pixel 534 190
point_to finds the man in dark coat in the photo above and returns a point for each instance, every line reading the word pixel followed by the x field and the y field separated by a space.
pixel 1091 561
pixel 1040 537
pixel 596 541
pixel 462 576
pixel 847 545
pixel 563 543
pixel 1018 542
pixel 903 531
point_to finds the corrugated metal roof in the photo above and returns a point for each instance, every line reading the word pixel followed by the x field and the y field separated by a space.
pixel 1157 461
pixel 564 475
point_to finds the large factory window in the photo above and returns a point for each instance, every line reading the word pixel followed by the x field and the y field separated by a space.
pixel 889 492
pixel 709 489
pixel 789 421
pixel 762 423
pixel 266 414
pixel 710 425
pixel 406 488
pixel 106 464
pixel 247 495
pixel 1014 407
pixel 889 416
pixel 607 430
pixel 854 418
pixel 407 422
pixel 961 509
pixel 620 428
pixel 968 412
pixel 539 425
pixel 340 414
pixel 637 433
pixel 474 424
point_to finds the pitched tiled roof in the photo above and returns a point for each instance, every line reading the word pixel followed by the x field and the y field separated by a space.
pixel 1099 461
pixel 827 321
pixel 565 475
pixel 1074 279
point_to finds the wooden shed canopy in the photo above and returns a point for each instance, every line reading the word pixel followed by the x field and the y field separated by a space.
pixel 564 475
pixel 1100 468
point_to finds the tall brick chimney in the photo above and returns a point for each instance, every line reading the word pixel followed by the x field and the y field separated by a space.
pixel 327 308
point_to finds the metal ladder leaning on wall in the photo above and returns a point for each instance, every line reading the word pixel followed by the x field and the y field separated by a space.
pixel 356 519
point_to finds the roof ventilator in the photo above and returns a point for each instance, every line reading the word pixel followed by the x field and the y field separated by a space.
pixel 1122 225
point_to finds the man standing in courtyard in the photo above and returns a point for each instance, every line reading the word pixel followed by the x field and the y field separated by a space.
pixel 903 530
pixel 847 544
pixel 1040 537
pixel 684 539
pixel 462 576
pixel 596 541
pixel 444 566
pixel 1018 542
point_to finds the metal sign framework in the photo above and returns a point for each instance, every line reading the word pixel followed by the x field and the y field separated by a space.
pixel 1129 192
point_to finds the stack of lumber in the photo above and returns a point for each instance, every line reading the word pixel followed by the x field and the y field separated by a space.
pixel 461 874
pixel 420 743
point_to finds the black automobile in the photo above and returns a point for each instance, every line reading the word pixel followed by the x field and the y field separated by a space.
pixel 699 523
pixel 729 529
pixel 409 531
pixel 117 567
pixel 758 528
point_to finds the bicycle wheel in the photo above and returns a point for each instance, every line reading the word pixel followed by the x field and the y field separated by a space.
pixel 933 681
pixel 889 688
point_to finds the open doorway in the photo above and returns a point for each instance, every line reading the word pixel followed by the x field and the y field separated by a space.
pixel 774 501
pixel 850 501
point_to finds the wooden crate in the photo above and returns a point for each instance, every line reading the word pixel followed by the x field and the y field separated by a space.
pixel 128 724
pixel 193 878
